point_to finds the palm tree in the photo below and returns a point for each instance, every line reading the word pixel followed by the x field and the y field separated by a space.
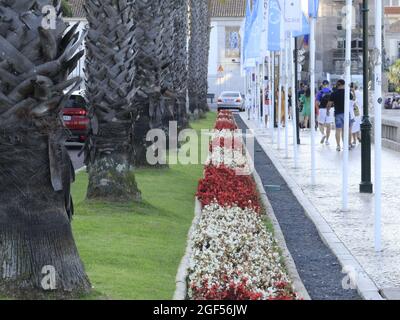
pixel 147 61
pixel 199 45
pixel 110 85
pixel 180 61
pixel 161 68
pixel 36 56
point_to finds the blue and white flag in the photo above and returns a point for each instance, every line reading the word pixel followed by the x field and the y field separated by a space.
pixel 313 6
pixel 264 32
pixel 246 31
pixel 275 24
pixel 293 15
pixel 254 45
pixel 305 28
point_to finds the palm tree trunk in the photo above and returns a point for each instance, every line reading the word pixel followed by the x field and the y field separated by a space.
pixel 199 45
pixel 180 61
pixel 35 230
pixel 110 65
pixel 146 101
pixel 35 169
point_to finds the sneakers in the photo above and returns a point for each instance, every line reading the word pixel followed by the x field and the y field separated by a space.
pixel 338 149
pixel 323 139
pixel 327 142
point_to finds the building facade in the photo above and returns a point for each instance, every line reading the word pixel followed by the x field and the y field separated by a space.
pixel 392 31
pixel 224 70
pixel 331 35
pixel 78 16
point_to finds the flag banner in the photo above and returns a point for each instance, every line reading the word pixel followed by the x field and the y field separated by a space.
pixel 313 6
pixel 305 28
pixel 257 19
pixel 242 35
pixel 274 26
pixel 264 32
pixel 293 15
pixel 247 27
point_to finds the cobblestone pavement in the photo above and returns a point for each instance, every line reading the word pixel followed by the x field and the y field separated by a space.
pixel 354 228
pixel 319 269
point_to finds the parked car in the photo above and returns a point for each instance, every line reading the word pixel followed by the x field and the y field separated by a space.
pixel 75 116
pixel 231 100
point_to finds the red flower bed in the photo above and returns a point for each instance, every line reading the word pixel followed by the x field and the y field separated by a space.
pixel 225 116
pixel 234 143
pixel 228 189
pixel 224 124
pixel 228 291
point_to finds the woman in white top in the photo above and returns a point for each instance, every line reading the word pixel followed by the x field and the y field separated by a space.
pixel 358 112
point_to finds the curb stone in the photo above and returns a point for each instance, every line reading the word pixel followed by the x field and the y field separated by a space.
pixel 366 288
pixel 298 285
pixel 182 275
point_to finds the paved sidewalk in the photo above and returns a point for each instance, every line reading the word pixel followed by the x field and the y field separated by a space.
pixel 354 228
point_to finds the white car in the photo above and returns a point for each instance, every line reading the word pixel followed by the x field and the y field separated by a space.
pixel 231 100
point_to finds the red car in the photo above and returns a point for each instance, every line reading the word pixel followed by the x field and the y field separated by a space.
pixel 75 117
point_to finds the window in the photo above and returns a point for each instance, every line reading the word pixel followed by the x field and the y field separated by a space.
pixel 232 42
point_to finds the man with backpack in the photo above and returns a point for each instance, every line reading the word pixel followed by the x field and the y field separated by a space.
pixel 325 118
pixel 337 99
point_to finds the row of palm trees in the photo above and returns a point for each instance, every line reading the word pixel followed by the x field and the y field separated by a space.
pixel 139 71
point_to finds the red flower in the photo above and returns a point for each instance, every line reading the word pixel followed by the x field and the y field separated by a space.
pixel 228 189
pixel 228 290
pixel 230 143
pixel 224 124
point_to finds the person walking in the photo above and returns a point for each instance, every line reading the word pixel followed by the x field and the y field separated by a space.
pixel 290 103
pixel 358 114
pixel 282 106
pixel 305 100
pixel 249 104
pixel 337 99
pixel 325 117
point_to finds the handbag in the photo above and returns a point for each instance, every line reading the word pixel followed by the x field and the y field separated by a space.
pixel 357 112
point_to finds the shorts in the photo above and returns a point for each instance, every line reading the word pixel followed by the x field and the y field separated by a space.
pixel 267 111
pixel 323 117
pixel 339 121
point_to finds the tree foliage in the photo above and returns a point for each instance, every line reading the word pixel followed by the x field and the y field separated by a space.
pixel 394 75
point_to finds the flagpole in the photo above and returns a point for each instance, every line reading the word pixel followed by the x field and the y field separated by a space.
pixel 279 108
pixel 258 93
pixel 263 93
pixel 286 97
pixel 294 104
pixel 346 133
pixel 312 88
pixel 272 94
pixel 378 125
pixel 253 79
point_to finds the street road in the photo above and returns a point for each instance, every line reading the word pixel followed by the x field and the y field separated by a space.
pixel 73 150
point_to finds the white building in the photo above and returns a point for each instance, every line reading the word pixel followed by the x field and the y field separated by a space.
pixel 78 16
pixel 224 60
pixel 392 32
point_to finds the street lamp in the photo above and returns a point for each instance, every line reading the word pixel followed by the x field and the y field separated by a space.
pixel 366 126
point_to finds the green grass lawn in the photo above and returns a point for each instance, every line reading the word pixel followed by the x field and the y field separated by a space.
pixel 132 251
